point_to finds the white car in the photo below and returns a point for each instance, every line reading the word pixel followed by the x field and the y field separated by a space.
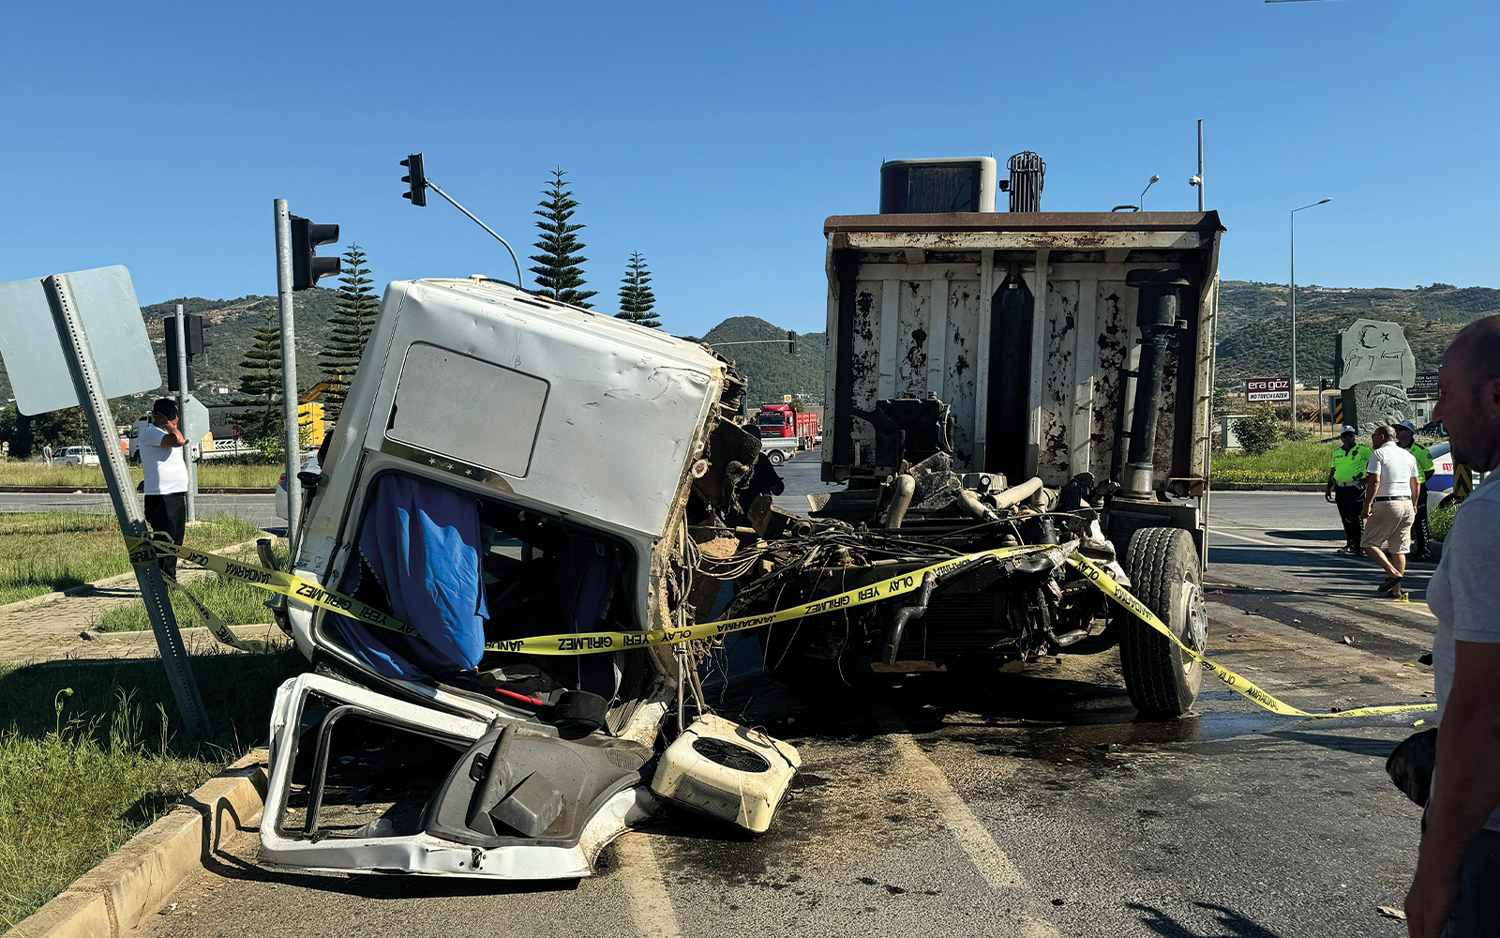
pixel 78 456
pixel 310 466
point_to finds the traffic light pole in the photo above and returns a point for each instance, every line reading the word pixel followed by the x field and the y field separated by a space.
pixel 183 385
pixel 132 519
pixel 433 186
pixel 288 373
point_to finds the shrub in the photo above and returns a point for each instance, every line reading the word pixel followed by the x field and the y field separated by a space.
pixel 1259 430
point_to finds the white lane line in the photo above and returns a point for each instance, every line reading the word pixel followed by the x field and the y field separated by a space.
pixel 650 906
pixel 994 865
pixel 1419 607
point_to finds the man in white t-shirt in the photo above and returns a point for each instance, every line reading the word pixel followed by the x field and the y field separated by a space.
pixel 166 483
pixel 1392 481
pixel 1456 889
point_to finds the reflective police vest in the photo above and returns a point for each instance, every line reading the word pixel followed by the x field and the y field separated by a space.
pixel 1349 466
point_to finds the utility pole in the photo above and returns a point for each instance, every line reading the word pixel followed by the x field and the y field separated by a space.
pixel 1293 408
pixel 179 326
pixel 1200 164
pixel 288 372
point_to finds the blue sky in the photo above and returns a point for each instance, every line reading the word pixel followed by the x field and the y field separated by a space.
pixel 716 140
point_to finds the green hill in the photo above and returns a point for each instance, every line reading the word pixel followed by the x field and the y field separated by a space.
pixel 1255 334
pixel 231 330
pixel 771 372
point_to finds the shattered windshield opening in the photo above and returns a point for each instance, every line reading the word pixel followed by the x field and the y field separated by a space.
pixel 468 574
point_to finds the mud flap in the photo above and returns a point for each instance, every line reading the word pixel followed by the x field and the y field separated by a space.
pixel 542 807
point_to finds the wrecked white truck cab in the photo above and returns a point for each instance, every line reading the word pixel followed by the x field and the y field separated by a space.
pixel 504 466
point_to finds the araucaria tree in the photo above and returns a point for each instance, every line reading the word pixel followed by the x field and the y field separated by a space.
pixel 261 382
pixel 636 298
pixel 350 330
pixel 559 273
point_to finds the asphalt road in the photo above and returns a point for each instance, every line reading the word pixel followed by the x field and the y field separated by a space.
pixel 259 509
pixel 1008 804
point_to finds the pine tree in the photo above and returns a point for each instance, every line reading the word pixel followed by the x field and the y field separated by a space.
pixel 558 271
pixel 349 330
pixel 636 298
pixel 261 382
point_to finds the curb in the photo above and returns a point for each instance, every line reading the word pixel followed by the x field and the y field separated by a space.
pixel 134 881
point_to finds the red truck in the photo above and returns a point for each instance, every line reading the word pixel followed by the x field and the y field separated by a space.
pixel 780 421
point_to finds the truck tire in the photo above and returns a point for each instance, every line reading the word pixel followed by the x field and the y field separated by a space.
pixel 776 456
pixel 1161 679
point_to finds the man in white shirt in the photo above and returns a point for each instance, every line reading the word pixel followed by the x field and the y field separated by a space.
pixel 1456 889
pixel 166 481
pixel 1392 481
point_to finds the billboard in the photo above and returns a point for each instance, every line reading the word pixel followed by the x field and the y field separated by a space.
pixel 1268 390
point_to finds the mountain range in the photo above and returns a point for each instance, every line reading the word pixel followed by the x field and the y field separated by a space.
pixel 1254 334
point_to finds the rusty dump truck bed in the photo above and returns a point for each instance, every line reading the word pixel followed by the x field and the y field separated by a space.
pixel 1024 325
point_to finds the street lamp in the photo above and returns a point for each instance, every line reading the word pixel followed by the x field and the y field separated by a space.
pixel 1293 407
pixel 1154 181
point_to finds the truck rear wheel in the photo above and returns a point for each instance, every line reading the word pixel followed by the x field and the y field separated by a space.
pixel 776 456
pixel 1161 679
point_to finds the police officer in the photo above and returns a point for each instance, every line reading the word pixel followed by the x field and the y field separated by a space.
pixel 1406 439
pixel 1346 487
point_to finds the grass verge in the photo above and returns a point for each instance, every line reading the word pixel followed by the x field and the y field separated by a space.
pixel 234 601
pixel 45 552
pixel 1295 461
pixel 211 474
pixel 89 755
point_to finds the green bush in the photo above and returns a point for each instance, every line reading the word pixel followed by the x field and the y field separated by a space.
pixel 1258 430
pixel 1440 522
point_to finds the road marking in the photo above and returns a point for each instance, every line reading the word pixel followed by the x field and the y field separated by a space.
pixel 994 865
pixel 646 892
pixel 1419 607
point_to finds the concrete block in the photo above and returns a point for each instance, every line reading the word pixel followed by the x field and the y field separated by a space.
pixel 139 876
pixel 70 915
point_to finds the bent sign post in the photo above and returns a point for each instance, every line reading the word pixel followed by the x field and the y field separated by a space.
pixel 50 370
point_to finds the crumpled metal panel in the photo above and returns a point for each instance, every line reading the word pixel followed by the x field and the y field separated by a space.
pixel 614 389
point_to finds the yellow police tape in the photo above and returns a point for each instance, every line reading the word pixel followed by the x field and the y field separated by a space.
pixel 146 550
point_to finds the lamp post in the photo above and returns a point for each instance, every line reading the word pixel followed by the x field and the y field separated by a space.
pixel 1154 181
pixel 1293 408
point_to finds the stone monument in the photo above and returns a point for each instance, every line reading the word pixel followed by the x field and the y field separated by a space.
pixel 1375 367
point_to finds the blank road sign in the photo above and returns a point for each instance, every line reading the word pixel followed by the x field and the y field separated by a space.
pixel 111 317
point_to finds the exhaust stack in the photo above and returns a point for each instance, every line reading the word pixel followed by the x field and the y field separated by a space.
pixel 1157 301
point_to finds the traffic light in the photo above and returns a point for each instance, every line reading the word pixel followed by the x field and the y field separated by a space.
pixel 307 267
pixel 791 343
pixel 174 380
pixel 197 338
pixel 416 178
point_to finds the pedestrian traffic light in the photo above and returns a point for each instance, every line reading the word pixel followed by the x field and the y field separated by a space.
pixel 416 178
pixel 197 336
pixel 791 343
pixel 307 267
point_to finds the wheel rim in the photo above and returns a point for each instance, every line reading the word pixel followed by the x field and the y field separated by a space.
pixel 1195 618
